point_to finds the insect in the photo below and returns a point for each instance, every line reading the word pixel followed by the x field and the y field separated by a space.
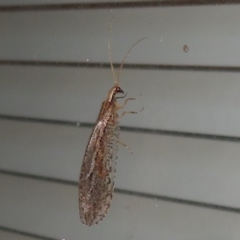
pixel 96 181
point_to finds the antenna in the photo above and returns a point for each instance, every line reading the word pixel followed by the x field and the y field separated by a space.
pixel 121 66
pixel 116 79
pixel 110 52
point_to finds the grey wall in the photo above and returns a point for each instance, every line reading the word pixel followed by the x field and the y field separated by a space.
pixel 182 180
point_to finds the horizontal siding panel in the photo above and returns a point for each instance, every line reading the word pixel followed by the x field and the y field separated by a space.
pixel 51 209
pixel 200 102
pixel 193 169
pixel 13 236
pixel 210 32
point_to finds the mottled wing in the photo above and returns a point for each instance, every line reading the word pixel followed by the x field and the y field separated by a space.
pixel 96 183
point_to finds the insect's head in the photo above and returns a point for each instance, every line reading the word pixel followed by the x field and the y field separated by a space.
pixel 118 90
pixel 112 93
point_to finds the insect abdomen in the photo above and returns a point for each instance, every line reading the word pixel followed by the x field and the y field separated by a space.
pixel 96 183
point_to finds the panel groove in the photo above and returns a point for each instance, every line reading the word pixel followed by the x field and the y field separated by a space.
pixel 127 192
pixel 124 128
pixel 26 234
pixel 116 65
pixel 112 5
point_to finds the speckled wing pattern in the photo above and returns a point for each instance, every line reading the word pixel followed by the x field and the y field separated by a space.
pixel 96 183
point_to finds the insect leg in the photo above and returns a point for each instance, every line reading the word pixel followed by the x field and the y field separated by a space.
pixel 126 100
pixel 123 144
pixel 122 96
pixel 130 112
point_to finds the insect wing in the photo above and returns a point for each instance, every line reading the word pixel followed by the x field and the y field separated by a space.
pixel 97 175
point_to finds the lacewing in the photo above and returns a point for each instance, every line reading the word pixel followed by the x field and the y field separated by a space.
pixel 96 181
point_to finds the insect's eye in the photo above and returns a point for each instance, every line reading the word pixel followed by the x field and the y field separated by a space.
pixel 119 90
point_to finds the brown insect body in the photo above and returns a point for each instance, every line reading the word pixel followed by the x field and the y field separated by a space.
pixel 96 183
